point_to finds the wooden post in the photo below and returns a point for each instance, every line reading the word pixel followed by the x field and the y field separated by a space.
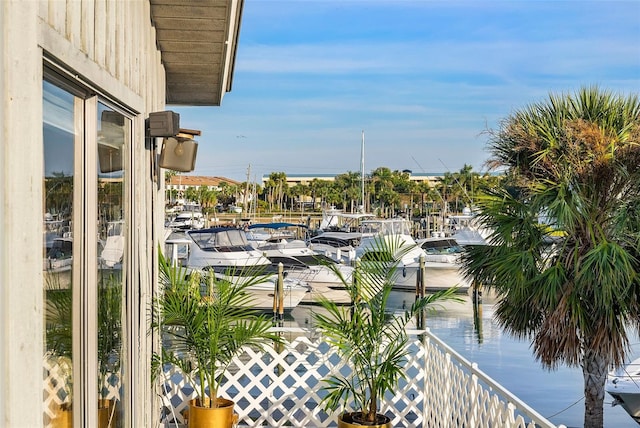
pixel 281 292
pixel 477 292
pixel 421 290
pixel 356 286
pixel 477 308
pixel 275 299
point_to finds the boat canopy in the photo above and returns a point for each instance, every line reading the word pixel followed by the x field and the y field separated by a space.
pixel 220 239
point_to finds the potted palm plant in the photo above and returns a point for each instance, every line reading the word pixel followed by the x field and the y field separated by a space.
pixel 109 345
pixel 206 322
pixel 370 336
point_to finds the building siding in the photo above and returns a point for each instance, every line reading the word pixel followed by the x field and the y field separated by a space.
pixel 111 45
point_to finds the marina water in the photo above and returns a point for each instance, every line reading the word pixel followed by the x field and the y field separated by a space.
pixel 556 395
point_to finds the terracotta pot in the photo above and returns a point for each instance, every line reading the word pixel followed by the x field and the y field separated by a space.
pixel 212 417
pixel 353 420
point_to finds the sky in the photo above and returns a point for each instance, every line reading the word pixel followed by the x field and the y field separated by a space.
pixel 422 81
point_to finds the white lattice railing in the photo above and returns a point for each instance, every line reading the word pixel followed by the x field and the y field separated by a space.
pixel 282 388
pixel 58 382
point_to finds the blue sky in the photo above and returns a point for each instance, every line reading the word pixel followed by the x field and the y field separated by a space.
pixel 422 79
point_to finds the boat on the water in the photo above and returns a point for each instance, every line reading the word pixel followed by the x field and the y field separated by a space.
pixel 187 220
pixel 280 245
pixel 442 263
pixel 466 230
pixel 60 255
pixel 261 234
pixel 339 246
pixel 623 384
pixel 338 235
pixel 334 220
pixel 441 271
pixel 226 252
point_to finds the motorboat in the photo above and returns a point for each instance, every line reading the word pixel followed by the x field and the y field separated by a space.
pixel 395 233
pixel 324 274
pixel 58 261
pixel 260 234
pixel 442 263
pixel 187 220
pixel 337 245
pixel 441 270
pixel 305 264
pixel 334 220
pixel 226 252
pixel 623 384
pixel 338 234
pixel 465 229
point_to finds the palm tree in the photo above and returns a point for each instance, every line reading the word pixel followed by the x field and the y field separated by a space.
pixel 383 193
pixel 276 184
pixel 207 198
pixel 573 167
pixel 350 186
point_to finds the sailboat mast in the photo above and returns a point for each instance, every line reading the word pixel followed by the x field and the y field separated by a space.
pixel 362 209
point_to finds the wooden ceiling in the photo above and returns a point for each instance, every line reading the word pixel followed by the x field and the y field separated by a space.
pixel 198 40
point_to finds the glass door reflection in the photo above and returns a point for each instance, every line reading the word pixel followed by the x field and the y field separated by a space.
pixel 113 136
pixel 59 137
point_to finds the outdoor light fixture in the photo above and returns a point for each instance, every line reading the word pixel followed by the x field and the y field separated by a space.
pixel 179 152
pixel 163 124
pixel 179 149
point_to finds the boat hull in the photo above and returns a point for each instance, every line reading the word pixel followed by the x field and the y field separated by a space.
pixel 264 295
pixel 438 276
pixel 624 386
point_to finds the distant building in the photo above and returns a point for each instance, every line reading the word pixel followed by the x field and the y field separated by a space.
pixel 183 182
pixel 306 179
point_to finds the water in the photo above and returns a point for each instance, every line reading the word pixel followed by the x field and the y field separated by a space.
pixel 556 395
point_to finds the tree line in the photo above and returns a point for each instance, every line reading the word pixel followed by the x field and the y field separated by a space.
pixel 386 193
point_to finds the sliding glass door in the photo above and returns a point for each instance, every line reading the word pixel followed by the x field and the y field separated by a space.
pixel 86 141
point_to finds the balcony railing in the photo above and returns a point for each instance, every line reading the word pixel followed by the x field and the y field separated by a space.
pixel 282 387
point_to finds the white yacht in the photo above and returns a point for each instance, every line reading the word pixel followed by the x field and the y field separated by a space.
pixel 339 246
pixel 339 234
pixel 281 246
pixel 227 253
pixel 623 385
pixel 260 234
pixel 187 220
pixel 441 271
pixel 442 263
pixel 464 228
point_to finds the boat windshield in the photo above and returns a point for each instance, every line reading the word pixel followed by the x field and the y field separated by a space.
pixel 222 240
pixel 441 246
pixel 316 260
pixel 336 242
pixel 386 227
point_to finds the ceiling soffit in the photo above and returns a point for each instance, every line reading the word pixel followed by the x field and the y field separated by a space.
pixel 198 40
